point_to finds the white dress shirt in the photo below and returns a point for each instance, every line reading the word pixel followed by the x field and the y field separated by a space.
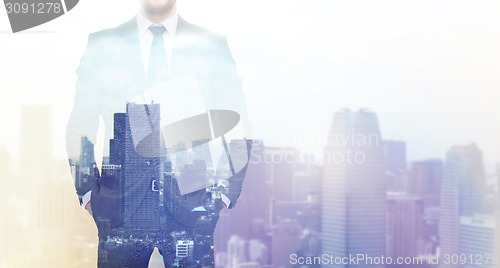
pixel 145 40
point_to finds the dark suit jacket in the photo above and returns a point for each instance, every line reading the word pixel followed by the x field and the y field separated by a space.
pixel 111 72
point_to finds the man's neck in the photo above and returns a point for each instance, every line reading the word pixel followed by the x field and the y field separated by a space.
pixel 158 18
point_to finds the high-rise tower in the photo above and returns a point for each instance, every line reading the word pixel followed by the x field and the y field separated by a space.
pixel 462 192
pixel 142 166
pixel 353 197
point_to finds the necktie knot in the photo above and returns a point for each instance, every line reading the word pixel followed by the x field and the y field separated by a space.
pixel 157 29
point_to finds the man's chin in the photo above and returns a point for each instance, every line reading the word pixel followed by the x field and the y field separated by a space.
pixel 159 9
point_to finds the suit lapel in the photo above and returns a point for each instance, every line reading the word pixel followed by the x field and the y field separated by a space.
pixel 132 49
pixel 182 50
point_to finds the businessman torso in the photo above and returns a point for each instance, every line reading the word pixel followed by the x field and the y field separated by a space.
pixel 112 73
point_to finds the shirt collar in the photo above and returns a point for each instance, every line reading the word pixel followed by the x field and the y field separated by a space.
pixel 170 24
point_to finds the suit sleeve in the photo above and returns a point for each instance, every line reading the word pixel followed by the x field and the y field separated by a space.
pixel 229 95
pixel 83 123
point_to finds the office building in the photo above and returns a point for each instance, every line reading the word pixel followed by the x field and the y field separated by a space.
pixel 462 192
pixel 405 225
pixel 476 241
pixel 285 241
pixel 353 193
pixel 142 166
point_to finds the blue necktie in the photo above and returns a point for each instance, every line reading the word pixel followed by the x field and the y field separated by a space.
pixel 157 66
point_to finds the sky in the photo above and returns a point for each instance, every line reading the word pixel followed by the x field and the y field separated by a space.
pixel 429 69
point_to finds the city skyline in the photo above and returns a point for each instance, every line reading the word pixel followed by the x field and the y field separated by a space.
pixel 416 198
pixel 490 163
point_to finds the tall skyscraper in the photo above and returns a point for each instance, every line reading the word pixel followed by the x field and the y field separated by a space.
pixel 87 159
pixel 425 180
pixel 405 225
pixel 285 241
pixel 462 192
pixel 395 165
pixel 85 169
pixel 142 164
pixel 353 197
pixel 394 155
pixel 281 165
pixel 117 144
